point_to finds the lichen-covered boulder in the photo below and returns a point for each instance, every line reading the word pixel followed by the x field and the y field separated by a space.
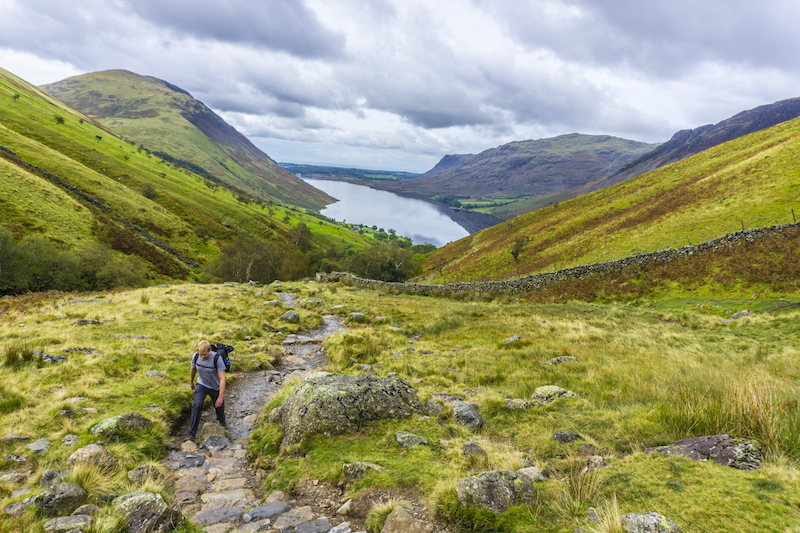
pixel 549 393
pixel 496 490
pixel 331 404
pixel 467 414
pixel 647 523
pixel 359 469
pixel 409 440
pixel 60 499
pixel 723 449
pixel 93 454
pixel 147 512
pixel 125 423
pixel 293 317
pixel 79 523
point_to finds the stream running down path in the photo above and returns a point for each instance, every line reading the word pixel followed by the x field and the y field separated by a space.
pixel 215 485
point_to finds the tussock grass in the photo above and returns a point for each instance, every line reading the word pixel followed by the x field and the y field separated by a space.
pixel 377 515
pixel 644 375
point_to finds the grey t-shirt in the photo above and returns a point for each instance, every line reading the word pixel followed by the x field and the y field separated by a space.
pixel 207 373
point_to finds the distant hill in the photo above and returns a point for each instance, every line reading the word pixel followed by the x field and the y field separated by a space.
pixel 751 181
pixel 321 172
pixel 518 171
pixel 528 168
pixel 160 116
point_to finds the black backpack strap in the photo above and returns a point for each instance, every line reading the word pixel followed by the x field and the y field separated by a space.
pixel 194 359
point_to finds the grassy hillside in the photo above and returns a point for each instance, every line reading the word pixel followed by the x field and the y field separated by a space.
pixel 162 117
pixel 644 377
pixel 70 180
pixel 748 182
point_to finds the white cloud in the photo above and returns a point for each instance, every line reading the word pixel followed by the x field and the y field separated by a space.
pixel 389 80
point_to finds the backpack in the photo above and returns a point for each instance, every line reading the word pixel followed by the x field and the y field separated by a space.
pixel 220 350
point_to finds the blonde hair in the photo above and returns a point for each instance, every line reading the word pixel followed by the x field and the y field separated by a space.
pixel 204 347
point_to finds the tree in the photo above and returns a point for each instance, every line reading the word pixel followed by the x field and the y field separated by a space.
pixel 385 262
pixel 59 119
pixel 516 248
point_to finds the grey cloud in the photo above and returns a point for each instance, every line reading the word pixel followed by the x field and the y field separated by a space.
pixel 284 25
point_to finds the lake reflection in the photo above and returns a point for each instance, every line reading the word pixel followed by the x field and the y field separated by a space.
pixel 419 221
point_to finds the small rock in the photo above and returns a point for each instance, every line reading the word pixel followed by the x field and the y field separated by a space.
pixel 60 499
pixel 290 316
pixel 69 524
pixel 564 436
pixel 401 521
pixel 532 473
pixel 92 454
pixel 345 509
pixel 124 423
pixel 13 437
pixel 473 448
pixel 513 339
pixel 647 523
pixel 592 515
pixel 517 404
pixel 467 415
pixel 53 476
pixel 39 446
pixel 216 443
pixel 549 393
pixel 358 470
pixel 270 510
pixel 141 473
pixel 155 374
pixel 409 440
pixel 356 317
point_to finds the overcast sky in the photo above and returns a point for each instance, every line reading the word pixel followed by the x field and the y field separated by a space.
pixel 397 84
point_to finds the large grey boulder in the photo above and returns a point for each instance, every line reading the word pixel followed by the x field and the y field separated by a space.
pixel 125 423
pixel 723 449
pixel 147 512
pixel 647 523
pixel 331 404
pixel 496 490
pixel 467 414
pixel 93 454
pixel 61 499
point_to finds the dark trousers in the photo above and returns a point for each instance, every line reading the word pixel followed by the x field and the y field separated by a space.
pixel 200 394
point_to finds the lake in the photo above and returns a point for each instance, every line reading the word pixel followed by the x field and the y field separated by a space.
pixel 420 221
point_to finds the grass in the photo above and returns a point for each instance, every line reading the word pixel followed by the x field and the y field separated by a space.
pixel 748 182
pixel 104 374
pixel 645 375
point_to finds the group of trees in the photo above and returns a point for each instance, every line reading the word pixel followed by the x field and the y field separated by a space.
pixel 38 264
pixel 246 259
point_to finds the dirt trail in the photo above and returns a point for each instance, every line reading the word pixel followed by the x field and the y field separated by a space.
pixel 214 487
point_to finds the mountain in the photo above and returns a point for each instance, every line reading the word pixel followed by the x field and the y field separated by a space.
pixel 72 188
pixel 689 142
pixel 517 172
pixel 527 168
pixel 750 181
pixel 160 116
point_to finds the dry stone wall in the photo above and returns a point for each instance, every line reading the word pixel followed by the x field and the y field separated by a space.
pixel 538 281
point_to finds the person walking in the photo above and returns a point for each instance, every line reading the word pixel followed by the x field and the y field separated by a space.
pixel 209 367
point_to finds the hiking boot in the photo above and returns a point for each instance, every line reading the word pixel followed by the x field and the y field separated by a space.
pixel 223 424
pixel 191 437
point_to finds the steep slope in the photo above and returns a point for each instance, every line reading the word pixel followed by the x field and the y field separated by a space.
pixel 525 168
pixel 155 113
pixel 689 142
pixel 748 182
pixel 72 181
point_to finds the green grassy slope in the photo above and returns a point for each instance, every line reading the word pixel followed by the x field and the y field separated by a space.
pixel 163 199
pixel 163 117
pixel 751 181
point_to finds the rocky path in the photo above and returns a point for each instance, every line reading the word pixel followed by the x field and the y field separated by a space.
pixel 215 485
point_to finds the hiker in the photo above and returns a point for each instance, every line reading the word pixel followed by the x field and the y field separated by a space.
pixel 210 370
